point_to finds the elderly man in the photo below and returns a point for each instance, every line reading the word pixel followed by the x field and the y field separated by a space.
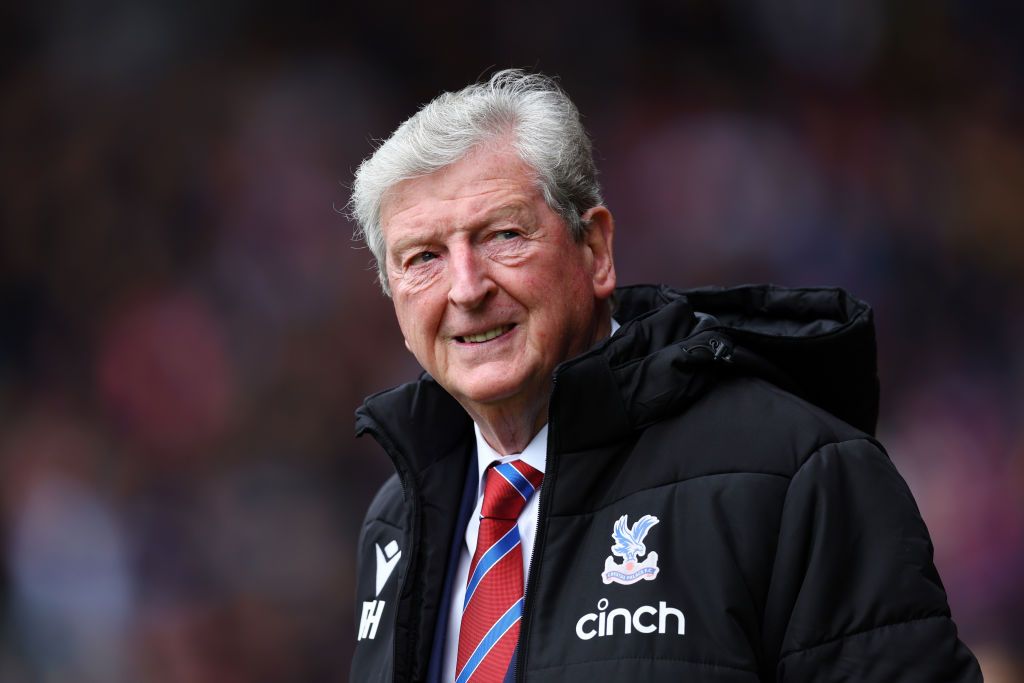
pixel 688 490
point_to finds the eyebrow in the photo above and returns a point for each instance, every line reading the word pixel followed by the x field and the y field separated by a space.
pixel 514 209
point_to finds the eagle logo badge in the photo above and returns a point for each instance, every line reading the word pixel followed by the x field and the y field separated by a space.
pixel 629 545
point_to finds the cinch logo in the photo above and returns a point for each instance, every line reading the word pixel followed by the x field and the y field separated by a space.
pixel 387 560
pixel 641 620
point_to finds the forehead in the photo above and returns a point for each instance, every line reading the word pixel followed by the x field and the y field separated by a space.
pixel 486 179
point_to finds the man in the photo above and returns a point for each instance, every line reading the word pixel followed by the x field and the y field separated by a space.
pixel 711 503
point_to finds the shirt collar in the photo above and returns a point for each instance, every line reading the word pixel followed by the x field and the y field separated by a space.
pixel 535 454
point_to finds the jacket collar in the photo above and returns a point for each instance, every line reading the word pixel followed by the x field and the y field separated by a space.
pixel 817 343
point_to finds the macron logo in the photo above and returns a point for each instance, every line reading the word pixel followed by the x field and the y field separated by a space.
pixel 387 560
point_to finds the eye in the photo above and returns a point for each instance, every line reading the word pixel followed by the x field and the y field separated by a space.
pixel 506 234
pixel 422 257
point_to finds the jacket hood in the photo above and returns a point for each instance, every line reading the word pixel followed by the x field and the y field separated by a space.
pixel 816 343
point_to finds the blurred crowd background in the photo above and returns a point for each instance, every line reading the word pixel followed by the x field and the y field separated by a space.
pixel 186 325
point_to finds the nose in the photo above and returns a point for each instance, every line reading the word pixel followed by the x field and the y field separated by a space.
pixel 470 282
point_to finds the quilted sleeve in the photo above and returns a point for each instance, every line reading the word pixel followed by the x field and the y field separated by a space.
pixel 854 594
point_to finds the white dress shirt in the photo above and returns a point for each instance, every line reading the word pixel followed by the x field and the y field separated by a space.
pixel 535 455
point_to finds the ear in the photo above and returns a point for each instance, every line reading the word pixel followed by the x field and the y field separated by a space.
pixel 598 242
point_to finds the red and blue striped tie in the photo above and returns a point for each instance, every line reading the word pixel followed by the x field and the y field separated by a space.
pixel 494 590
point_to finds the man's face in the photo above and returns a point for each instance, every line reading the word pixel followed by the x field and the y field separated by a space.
pixel 490 290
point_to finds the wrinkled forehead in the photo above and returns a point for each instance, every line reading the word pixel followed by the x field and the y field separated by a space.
pixel 481 182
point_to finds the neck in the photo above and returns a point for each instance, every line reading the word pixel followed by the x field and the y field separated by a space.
pixel 508 430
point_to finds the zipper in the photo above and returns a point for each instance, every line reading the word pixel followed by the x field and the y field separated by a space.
pixel 538 541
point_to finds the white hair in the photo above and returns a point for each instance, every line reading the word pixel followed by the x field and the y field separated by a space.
pixel 546 134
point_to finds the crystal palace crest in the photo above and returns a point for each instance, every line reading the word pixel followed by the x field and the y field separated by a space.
pixel 629 545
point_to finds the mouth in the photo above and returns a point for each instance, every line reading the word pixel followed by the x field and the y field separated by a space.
pixel 486 336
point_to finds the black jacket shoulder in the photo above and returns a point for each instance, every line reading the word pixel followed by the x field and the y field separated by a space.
pixel 388 504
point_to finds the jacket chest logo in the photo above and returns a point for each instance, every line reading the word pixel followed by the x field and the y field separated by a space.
pixel 644 619
pixel 629 545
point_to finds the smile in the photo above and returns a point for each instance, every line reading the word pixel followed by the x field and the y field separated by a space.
pixel 485 336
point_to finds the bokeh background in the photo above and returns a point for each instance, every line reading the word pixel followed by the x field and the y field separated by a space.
pixel 186 326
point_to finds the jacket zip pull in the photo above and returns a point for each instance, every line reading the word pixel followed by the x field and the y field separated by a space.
pixel 719 350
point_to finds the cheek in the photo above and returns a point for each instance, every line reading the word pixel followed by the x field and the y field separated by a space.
pixel 408 321
pixel 419 317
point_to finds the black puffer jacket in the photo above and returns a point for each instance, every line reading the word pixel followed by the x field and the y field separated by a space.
pixel 788 547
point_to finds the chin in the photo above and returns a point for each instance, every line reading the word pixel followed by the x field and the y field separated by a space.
pixel 489 391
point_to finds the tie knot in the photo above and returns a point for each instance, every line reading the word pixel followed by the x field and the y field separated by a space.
pixel 507 488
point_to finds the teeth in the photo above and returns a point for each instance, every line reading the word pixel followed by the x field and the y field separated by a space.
pixel 488 335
